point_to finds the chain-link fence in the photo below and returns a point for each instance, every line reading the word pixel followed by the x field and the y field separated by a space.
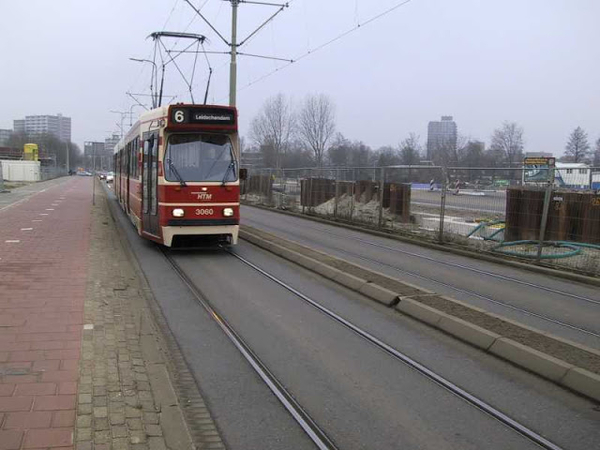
pixel 51 172
pixel 496 210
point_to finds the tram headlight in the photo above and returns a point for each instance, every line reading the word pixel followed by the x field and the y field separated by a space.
pixel 178 212
pixel 228 212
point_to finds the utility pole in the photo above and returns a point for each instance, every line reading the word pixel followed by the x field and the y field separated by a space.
pixel 94 175
pixel 234 44
pixel 68 162
pixel 123 114
pixel 233 64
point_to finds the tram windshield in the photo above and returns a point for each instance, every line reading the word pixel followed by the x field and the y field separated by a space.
pixel 199 157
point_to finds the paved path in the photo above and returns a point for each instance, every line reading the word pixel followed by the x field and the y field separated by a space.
pixel 43 260
pixel 73 373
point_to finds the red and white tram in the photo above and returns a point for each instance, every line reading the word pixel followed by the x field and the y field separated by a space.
pixel 177 174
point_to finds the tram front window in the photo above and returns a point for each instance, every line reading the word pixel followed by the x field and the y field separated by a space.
pixel 199 157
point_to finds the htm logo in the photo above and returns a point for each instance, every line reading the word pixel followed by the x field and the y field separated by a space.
pixel 203 196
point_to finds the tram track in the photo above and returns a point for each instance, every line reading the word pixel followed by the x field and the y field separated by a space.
pixel 454 287
pixel 474 294
pixel 449 264
pixel 316 434
pixel 308 425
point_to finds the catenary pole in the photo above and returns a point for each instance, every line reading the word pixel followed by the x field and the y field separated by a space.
pixel 233 64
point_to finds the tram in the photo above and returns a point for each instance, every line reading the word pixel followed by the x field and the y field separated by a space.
pixel 177 174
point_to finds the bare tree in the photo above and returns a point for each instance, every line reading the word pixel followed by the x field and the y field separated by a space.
pixel 578 147
pixel 473 154
pixel 509 140
pixel 410 149
pixel 446 152
pixel 339 151
pixel 317 124
pixel 387 156
pixel 274 126
pixel 597 154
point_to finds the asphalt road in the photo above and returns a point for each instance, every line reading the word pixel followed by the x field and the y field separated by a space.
pixel 490 203
pixel 449 274
pixel 360 396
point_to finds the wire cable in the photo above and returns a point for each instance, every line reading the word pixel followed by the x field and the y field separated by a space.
pixel 327 43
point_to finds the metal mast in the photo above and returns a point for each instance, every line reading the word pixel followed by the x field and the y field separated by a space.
pixel 233 64
pixel 234 44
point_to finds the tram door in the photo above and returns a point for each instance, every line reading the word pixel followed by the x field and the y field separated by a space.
pixel 150 184
pixel 128 149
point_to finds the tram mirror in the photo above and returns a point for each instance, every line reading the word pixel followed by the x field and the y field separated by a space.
pixel 243 174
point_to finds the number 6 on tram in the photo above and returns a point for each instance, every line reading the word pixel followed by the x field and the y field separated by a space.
pixel 177 174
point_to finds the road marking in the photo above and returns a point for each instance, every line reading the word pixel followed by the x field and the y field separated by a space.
pixel 26 229
pixel 12 241
pixel 36 220
pixel 88 326
pixel 43 214
pixel 49 209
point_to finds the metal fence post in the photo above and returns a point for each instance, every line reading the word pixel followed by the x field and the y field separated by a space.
pixel 337 193
pixel 310 191
pixel 353 194
pixel 544 221
pixel 381 188
pixel 1 179
pixel 443 203
pixel 270 189
pixel 283 191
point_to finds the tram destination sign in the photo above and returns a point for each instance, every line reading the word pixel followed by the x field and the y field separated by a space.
pixel 189 115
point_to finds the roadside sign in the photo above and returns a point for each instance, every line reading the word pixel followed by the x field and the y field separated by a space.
pixel 538 169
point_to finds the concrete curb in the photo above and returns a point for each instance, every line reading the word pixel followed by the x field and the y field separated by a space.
pixel 369 289
pixel 567 375
pixel 498 259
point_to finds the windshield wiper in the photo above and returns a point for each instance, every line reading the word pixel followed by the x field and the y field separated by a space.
pixel 176 172
pixel 230 166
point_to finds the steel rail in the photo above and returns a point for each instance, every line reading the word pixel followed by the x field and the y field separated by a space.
pixel 428 373
pixel 482 272
pixel 469 292
pixel 308 425
pixel 474 294
pixel 461 266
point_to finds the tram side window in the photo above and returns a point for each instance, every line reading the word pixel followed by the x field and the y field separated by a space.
pixel 130 158
pixel 136 151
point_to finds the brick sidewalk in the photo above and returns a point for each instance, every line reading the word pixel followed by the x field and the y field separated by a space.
pixel 83 363
pixel 44 244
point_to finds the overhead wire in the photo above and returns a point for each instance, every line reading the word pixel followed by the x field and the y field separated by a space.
pixel 327 43
pixel 152 56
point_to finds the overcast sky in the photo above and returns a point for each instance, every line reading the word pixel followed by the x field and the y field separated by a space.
pixel 535 62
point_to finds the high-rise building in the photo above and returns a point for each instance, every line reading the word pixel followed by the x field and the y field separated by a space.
pixel 109 148
pixel 441 136
pixel 97 156
pixel 4 136
pixel 111 142
pixel 59 126
pixel 19 126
